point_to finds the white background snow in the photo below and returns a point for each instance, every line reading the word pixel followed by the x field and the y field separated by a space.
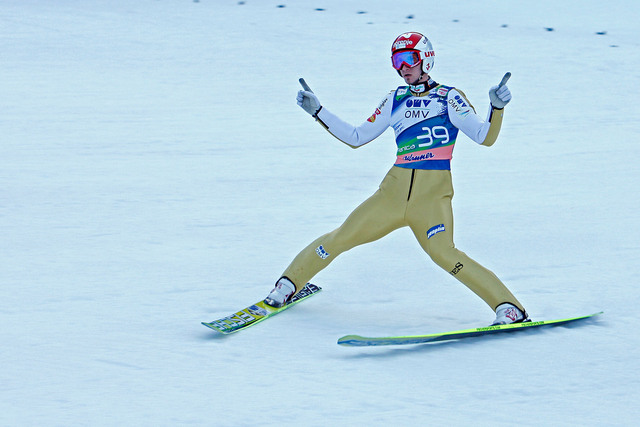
pixel 156 172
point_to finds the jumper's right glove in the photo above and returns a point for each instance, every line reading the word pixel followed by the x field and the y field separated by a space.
pixel 307 99
pixel 500 95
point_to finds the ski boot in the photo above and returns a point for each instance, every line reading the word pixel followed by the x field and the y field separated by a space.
pixel 281 293
pixel 507 313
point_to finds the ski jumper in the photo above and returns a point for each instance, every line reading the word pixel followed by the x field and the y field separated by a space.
pixel 417 191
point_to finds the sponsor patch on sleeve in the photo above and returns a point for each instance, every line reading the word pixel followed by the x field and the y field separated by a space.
pixel 443 90
pixel 374 115
pixel 377 112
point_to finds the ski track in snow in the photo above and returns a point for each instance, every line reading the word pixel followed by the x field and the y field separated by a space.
pixel 156 172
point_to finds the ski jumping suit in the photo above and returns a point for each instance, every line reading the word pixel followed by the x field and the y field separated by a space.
pixel 417 191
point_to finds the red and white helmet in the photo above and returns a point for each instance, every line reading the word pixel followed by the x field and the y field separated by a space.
pixel 410 49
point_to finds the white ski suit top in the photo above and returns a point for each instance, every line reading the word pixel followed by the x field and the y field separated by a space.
pixel 426 125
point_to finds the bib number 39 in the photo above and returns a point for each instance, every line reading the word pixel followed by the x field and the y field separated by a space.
pixel 432 135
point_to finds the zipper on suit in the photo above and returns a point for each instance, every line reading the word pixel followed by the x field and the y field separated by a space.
pixel 413 172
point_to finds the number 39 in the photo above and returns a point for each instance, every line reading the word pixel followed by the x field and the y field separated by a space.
pixel 440 133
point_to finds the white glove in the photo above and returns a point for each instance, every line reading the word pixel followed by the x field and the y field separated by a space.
pixel 500 95
pixel 307 100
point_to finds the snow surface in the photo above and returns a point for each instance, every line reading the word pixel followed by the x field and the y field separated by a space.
pixel 156 172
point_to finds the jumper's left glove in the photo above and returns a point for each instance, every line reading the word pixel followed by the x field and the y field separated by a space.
pixel 309 102
pixel 500 95
pixel 307 99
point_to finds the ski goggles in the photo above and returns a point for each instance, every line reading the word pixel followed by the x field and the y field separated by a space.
pixel 410 58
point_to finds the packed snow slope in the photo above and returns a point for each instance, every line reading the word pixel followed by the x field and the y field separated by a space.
pixel 156 172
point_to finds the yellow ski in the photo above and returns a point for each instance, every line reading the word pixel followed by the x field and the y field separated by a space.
pixel 360 341
pixel 257 312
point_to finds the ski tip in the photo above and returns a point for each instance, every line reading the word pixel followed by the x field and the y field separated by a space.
pixel 350 340
pixel 210 326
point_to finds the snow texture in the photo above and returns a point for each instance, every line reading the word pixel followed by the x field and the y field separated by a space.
pixel 156 172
